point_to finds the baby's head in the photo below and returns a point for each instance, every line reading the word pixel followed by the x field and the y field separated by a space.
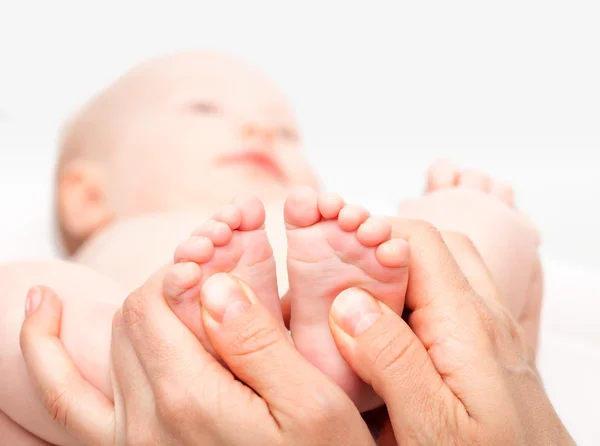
pixel 177 133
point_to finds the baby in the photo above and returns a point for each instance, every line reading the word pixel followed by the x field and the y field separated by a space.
pixel 173 141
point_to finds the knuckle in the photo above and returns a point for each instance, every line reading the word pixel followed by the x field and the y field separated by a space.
pixel 322 411
pixel 461 287
pixel 177 407
pixel 133 308
pixel 254 337
pixel 426 230
pixel 438 419
pixel 388 353
pixel 497 322
pixel 485 314
pixel 173 406
pixel 459 238
pixel 57 403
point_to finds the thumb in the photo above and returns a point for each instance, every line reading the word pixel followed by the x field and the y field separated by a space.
pixel 255 348
pixel 385 353
pixel 69 399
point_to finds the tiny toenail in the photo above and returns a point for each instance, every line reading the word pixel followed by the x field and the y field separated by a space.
pixel 355 310
pixel 224 298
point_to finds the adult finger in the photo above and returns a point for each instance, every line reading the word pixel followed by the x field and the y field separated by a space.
pixel 446 314
pixel 134 400
pixel 250 341
pixel 385 353
pixel 471 264
pixel 70 400
pixel 176 364
pixel 433 267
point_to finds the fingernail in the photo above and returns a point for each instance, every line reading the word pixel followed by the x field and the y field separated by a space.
pixel 34 297
pixel 224 298
pixel 355 311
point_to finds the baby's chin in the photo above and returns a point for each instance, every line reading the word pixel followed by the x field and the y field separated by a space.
pixel 267 189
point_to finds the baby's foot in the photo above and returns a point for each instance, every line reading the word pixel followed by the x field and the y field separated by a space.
pixel 332 247
pixel 443 174
pixel 233 241
pixel 520 286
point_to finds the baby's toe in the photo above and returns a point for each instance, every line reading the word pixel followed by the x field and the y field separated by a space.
pixel 330 204
pixel 475 179
pixel 196 249
pixel 352 216
pixel 180 278
pixel 394 253
pixel 442 174
pixel 218 232
pixel 230 215
pixel 301 208
pixel 252 212
pixel 374 231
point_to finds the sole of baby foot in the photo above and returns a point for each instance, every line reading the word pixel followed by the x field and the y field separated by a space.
pixel 234 241
pixel 333 246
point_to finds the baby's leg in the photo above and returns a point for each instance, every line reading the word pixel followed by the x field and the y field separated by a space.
pixel 472 203
pixel 90 301
pixel 11 433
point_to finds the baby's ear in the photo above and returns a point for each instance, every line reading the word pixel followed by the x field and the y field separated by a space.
pixel 82 205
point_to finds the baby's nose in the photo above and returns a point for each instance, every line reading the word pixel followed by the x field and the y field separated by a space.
pixel 259 133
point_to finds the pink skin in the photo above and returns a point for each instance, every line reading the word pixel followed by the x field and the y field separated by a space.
pixel 233 241
pixel 207 126
pixel 517 271
pixel 443 174
pixel 333 246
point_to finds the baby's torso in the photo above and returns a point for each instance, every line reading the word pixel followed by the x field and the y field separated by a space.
pixel 130 251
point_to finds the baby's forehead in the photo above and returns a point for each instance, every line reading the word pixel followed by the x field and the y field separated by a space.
pixel 230 85
pixel 227 81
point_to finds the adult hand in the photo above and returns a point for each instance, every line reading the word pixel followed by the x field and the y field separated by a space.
pixel 169 390
pixel 459 372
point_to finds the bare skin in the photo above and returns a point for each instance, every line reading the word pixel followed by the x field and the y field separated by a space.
pixel 458 200
pixel 122 219
pixel 195 262
pixel 454 372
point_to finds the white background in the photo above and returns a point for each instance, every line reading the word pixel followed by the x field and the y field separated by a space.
pixel 382 89
pixel 512 87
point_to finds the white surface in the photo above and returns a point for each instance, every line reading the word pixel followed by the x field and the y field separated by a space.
pixel 569 357
pixel 511 87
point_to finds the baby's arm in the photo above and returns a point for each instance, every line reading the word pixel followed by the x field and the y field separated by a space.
pixel 90 301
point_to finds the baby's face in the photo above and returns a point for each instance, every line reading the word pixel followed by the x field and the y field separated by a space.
pixel 200 132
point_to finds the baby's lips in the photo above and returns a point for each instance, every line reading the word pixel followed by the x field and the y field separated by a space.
pixel 258 159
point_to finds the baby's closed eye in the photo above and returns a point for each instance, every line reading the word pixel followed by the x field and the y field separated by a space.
pixel 205 107
pixel 287 134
